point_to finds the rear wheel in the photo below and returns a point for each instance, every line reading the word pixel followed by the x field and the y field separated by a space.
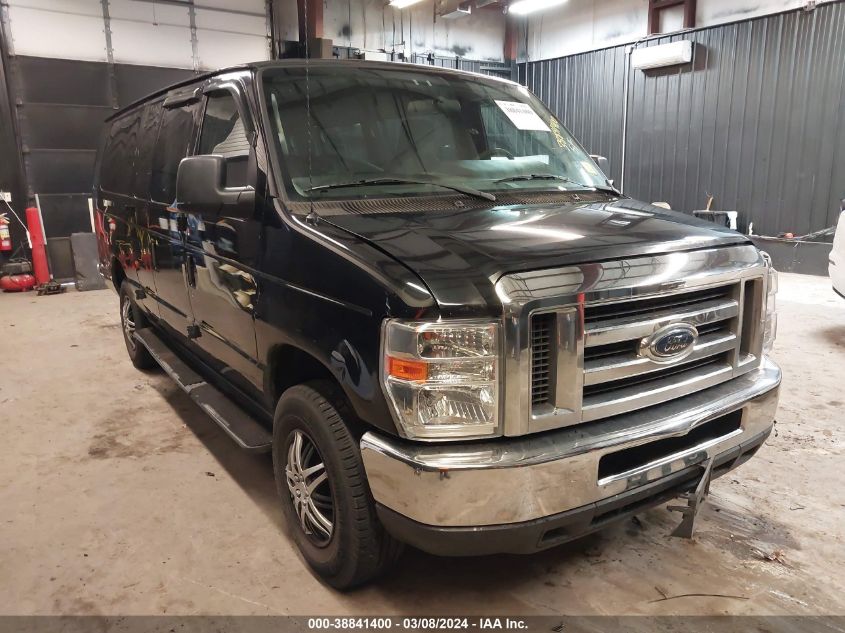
pixel 131 319
pixel 323 488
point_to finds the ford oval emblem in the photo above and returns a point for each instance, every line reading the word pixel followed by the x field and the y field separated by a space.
pixel 669 344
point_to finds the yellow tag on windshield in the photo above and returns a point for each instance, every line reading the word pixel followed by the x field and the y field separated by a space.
pixel 559 137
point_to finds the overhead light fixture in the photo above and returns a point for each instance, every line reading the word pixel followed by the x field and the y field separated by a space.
pixel 401 4
pixel 669 54
pixel 524 7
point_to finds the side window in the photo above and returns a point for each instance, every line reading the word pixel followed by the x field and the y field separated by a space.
pixel 223 133
pixel 119 154
pixel 150 121
pixel 173 144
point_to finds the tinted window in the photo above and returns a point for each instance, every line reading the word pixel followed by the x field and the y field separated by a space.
pixel 150 120
pixel 173 144
pixel 223 134
pixel 118 159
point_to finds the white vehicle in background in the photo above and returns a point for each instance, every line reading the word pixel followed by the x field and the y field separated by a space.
pixel 837 256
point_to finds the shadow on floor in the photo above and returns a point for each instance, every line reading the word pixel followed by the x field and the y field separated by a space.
pixel 834 335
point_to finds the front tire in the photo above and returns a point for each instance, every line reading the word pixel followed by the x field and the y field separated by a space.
pixel 131 319
pixel 323 488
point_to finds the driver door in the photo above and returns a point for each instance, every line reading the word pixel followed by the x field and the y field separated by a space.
pixel 222 251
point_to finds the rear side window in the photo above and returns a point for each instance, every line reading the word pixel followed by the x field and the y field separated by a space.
pixel 148 133
pixel 173 144
pixel 117 164
pixel 223 134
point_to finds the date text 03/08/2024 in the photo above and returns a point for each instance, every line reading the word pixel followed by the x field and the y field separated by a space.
pixel 424 623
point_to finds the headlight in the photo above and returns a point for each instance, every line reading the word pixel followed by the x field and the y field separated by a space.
pixel 442 379
pixel 770 328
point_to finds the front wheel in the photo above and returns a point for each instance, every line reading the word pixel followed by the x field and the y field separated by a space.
pixel 131 318
pixel 323 488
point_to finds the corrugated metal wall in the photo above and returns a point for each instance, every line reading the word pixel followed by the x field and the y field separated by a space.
pixel 756 120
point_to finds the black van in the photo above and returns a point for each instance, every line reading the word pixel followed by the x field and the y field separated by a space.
pixel 419 291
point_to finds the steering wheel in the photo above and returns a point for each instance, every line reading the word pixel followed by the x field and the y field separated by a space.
pixel 495 151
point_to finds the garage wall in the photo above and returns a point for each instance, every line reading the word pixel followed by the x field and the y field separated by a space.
pixel 61 105
pixel 202 35
pixel 374 25
pixel 756 119
pixel 11 166
pixel 70 64
pixel 584 25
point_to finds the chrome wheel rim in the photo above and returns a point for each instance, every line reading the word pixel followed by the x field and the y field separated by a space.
pixel 128 319
pixel 310 490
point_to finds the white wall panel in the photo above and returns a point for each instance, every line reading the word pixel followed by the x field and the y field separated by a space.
pixel 217 49
pixel 148 12
pixel 145 33
pixel 712 12
pixel 249 6
pixel 232 22
pixel 77 7
pixel 159 45
pixel 72 29
pixel 583 25
pixel 226 39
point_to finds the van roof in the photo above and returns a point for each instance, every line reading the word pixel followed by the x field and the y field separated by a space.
pixel 281 63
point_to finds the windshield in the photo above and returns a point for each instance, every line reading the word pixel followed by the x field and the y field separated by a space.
pixel 378 132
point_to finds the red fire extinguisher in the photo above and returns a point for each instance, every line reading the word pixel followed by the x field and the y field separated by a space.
pixel 5 235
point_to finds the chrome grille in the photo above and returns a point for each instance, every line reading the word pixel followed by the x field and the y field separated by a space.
pixel 617 378
pixel 573 335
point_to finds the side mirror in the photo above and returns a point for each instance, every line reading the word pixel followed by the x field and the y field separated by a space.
pixel 602 163
pixel 200 188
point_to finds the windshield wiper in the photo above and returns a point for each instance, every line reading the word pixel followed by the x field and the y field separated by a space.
pixel 556 177
pixel 385 180
pixel 534 177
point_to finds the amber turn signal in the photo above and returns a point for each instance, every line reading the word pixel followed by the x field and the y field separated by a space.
pixel 407 369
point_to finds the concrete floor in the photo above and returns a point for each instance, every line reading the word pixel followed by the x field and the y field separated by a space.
pixel 118 496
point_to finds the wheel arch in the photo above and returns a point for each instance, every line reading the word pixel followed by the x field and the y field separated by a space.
pixel 290 365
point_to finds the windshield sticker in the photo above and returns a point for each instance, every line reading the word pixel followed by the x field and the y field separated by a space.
pixel 522 116
pixel 559 137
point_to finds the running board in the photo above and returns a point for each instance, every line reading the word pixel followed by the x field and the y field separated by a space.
pixel 240 426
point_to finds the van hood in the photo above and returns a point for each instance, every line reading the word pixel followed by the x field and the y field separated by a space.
pixel 460 254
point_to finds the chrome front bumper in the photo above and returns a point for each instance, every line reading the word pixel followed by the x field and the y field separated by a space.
pixel 513 481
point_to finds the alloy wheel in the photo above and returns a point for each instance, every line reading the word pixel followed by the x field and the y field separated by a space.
pixel 310 489
pixel 128 318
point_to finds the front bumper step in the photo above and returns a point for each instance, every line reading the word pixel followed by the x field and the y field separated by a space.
pixel 249 434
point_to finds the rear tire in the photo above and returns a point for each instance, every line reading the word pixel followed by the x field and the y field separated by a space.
pixel 131 319
pixel 323 488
